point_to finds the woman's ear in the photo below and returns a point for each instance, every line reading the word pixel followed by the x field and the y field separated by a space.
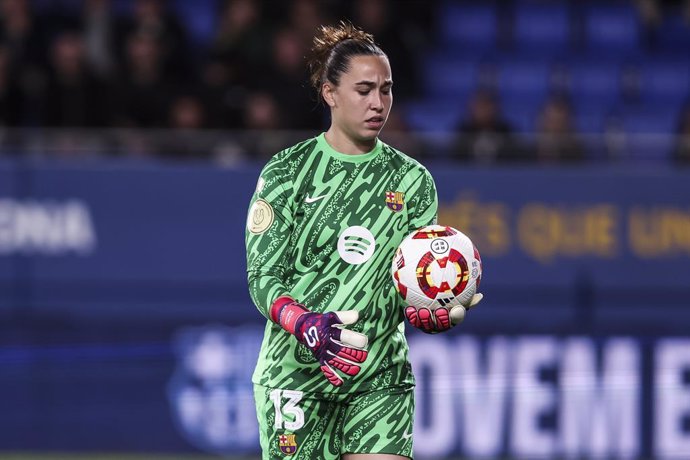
pixel 327 92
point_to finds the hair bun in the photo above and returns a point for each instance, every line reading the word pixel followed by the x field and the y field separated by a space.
pixel 326 39
pixel 329 36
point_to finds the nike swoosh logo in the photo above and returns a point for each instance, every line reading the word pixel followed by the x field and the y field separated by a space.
pixel 407 435
pixel 312 199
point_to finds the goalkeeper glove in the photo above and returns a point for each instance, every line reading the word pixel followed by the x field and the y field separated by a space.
pixel 323 333
pixel 440 319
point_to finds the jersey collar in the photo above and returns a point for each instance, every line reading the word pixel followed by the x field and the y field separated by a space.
pixel 326 148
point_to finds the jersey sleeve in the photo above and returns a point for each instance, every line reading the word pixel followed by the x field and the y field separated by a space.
pixel 269 225
pixel 424 203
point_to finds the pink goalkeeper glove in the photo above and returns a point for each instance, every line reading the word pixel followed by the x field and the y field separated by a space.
pixel 324 334
pixel 441 319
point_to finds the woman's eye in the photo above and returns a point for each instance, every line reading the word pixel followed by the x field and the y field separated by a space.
pixel 363 93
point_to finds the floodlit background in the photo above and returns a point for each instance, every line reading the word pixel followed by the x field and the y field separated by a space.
pixel 132 133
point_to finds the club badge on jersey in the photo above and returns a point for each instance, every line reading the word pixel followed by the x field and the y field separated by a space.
pixel 395 201
pixel 287 443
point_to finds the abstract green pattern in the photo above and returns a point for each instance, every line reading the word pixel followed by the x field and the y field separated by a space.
pixel 323 227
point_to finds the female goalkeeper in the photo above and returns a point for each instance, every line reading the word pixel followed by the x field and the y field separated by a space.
pixel 333 378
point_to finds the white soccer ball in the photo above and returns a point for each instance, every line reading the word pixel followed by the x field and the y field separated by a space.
pixel 437 266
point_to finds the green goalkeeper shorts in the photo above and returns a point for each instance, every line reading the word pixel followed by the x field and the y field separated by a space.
pixel 298 425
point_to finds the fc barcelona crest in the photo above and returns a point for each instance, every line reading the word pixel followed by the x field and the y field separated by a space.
pixel 395 201
pixel 287 443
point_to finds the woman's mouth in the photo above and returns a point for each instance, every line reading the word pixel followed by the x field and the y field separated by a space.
pixel 374 122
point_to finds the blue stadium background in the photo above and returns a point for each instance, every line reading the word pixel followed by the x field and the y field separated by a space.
pixel 125 321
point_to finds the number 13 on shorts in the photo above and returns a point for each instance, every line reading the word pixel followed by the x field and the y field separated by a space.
pixel 289 408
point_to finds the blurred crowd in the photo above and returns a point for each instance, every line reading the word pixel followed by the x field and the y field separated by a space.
pixel 485 136
pixel 488 132
pixel 86 65
pixel 107 76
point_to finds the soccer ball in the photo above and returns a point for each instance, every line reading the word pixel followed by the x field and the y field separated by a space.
pixel 437 266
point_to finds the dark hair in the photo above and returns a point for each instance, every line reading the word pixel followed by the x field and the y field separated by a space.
pixel 332 49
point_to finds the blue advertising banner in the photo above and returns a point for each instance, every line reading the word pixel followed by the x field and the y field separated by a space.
pixel 127 325
pixel 550 224
pixel 138 226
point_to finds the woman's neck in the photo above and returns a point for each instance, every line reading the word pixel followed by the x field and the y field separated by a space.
pixel 344 144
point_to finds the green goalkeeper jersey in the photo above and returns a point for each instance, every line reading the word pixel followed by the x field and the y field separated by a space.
pixel 323 228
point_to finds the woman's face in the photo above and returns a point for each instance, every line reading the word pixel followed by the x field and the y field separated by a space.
pixel 360 104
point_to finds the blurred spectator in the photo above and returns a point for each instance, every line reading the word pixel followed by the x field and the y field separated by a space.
pixel 223 98
pixel 144 89
pixel 186 116
pixel 416 21
pixel 261 112
pixel 683 4
pixel 21 32
pixel 557 140
pixel 186 113
pixel 99 28
pixel 152 18
pixel 262 119
pixel 24 36
pixel 10 96
pixel 74 95
pixel 287 82
pixel 485 136
pixel 305 16
pixel 241 42
pixel 681 151
pixel 649 12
